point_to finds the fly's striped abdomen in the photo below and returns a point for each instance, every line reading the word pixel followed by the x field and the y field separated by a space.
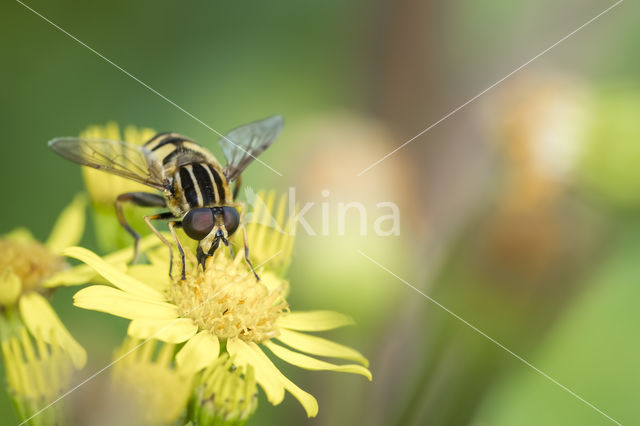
pixel 195 176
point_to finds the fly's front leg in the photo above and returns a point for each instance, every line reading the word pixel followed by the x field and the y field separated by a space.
pixel 142 199
pixel 172 226
pixel 202 256
pixel 161 216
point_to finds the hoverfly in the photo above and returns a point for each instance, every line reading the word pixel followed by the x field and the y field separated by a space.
pixel 194 186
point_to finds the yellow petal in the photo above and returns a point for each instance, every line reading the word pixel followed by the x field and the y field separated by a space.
pixel 159 256
pixel 115 277
pixel 156 277
pixel 10 287
pixel 126 255
pixel 314 320
pixel 42 322
pixel 83 274
pixel 250 353
pixel 318 346
pixel 69 227
pixel 309 363
pixel 264 370
pixel 168 330
pixel 199 352
pixel 116 302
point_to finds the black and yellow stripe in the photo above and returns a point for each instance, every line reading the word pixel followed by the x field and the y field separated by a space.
pixel 197 176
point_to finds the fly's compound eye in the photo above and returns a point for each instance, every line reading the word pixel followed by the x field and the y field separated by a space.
pixel 197 223
pixel 231 219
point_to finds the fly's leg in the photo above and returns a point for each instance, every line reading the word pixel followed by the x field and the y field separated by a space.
pixel 142 199
pixel 172 225
pixel 161 216
pixel 201 256
pixel 246 252
pixel 243 211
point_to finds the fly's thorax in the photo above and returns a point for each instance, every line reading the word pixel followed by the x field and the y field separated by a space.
pixel 174 204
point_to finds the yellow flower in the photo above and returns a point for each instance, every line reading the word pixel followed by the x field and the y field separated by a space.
pixel 222 304
pixel 148 389
pixel 25 268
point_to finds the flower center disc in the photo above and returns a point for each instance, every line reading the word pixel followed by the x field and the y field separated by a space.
pixel 228 301
pixel 30 261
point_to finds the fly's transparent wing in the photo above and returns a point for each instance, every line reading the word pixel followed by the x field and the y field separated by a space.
pixel 243 144
pixel 124 159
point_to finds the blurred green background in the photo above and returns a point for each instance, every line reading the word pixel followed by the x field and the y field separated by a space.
pixel 520 213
